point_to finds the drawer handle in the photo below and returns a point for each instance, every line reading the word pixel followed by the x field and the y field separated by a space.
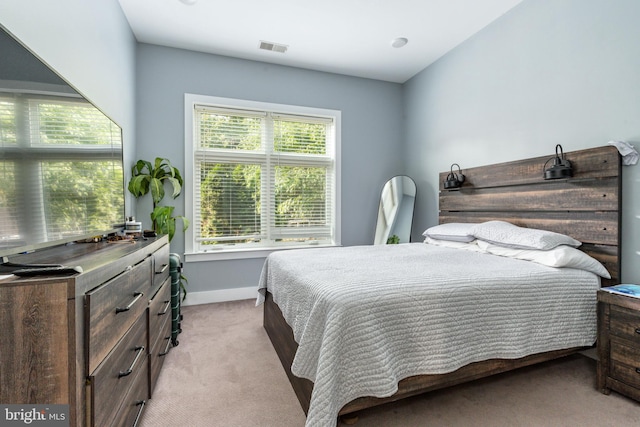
pixel 164 267
pixel 141 404
pixel 139 351
pixel 637 330
pixel 137 296
pixel 166 308
pixel 637 370
pixel 166 349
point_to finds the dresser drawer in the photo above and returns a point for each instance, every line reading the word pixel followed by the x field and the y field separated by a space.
pixel 160 266
pixel 625 323
pixel 112 308
pixel 133 403
pixel 158 354
pixel 159 310
pixel 118 372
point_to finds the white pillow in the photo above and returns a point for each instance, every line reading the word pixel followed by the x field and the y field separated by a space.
pixel 506 234
pixel 560 256
pixel 453 231
pixel 469 246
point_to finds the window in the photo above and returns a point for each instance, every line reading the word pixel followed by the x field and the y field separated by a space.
pixel 265 176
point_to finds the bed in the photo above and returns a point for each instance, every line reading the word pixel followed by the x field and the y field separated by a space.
pixel 452 315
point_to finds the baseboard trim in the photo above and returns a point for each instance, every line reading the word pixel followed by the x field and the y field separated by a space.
pixel 222 295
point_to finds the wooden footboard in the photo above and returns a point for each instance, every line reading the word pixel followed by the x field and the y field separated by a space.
pixel 281 337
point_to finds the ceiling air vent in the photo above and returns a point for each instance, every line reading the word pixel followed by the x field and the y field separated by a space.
pixel 274 47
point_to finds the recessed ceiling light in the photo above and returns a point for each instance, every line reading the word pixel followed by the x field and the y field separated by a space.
pixel 399 42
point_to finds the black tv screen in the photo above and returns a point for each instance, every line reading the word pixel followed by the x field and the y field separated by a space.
pixel 60 158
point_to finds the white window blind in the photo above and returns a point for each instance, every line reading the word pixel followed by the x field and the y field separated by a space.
pixel 53 150
pixel 262 179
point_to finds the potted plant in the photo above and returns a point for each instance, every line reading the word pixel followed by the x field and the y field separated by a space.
pixel 151 177
pixel 393 240
pixel 147 177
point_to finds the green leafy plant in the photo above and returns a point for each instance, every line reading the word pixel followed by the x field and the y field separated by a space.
pixel 147 177
pixel 151 177
pixel 393 240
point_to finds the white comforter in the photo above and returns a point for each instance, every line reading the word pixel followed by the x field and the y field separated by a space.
pixel 366 317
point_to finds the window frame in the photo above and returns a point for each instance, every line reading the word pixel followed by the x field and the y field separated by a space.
pixel 190 102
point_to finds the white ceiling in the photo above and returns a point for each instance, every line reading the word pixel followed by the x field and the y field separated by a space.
pixel 351 37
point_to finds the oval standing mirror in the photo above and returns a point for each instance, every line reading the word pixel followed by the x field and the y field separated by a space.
pixel 395 214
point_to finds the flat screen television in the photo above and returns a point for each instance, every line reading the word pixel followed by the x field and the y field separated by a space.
pixel 61 169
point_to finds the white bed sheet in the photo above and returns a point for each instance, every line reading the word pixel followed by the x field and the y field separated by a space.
pixel 366 317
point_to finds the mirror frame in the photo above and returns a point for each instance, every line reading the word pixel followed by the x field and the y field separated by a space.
pixel 395 211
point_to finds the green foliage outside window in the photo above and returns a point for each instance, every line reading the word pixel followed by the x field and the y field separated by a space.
pixel 230 196
pixel 232 206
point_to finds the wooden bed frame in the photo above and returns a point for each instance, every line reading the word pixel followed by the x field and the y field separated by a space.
pixel 586 207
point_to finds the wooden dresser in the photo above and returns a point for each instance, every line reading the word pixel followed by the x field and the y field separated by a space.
pixel 619 344
pixel 95 340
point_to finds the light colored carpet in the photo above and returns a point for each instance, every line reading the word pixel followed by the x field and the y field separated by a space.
pixel 224 372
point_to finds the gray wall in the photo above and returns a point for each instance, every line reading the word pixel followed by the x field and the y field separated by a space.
pixel 371 134
pixel 90 44
pixel 547 72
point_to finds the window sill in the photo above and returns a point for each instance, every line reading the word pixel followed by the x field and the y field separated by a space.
pixel 230 254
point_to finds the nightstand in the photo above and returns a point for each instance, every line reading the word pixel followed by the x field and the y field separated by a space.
pixel 619 344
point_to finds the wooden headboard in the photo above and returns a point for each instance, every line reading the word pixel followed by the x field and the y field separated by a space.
pixel 586 207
